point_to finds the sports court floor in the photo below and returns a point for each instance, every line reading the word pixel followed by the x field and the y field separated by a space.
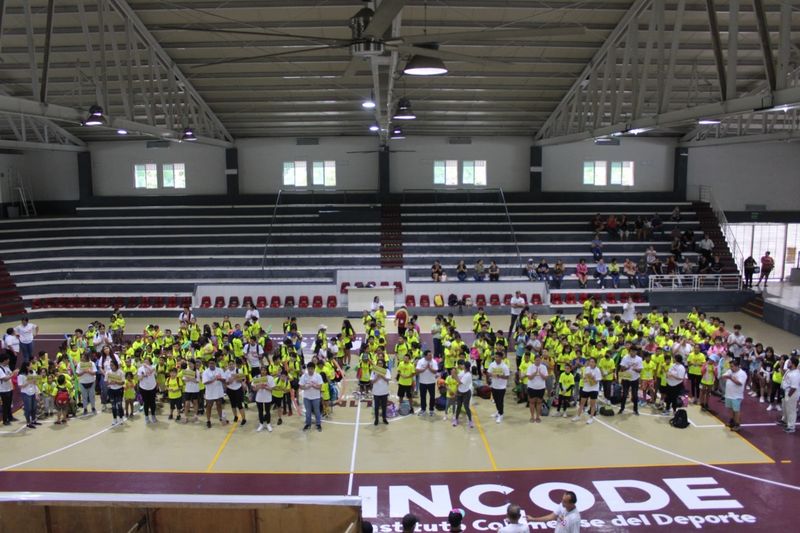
pixel 629 472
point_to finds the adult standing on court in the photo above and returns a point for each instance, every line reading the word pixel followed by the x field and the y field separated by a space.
pixel 11 346
pixel 253 353
pixel 499 373
pixel 537 383
pixel 628 310
pixel 26 332
pixel 767 264
pixel 513 516
pixel 400 320
pixel 380 377
pixel 566 515
pixel 6 389
pixel 311 385
pixel 734 379
pixel 463 393
pixel 147 388
pixel 591 376
pixel 791 391
pixel 675 376
pixel 252 313
pixel 214 380
pixel 630 369
pixel 426 375
pixel 517 305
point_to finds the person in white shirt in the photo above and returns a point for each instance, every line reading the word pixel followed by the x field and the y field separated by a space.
pixel 102 338
pixel 214 380
pixel 499 373
pixel 791 391
pixel 186 315
pixel 191 389
pixel 426 376
pixel 517 305
pixel 589 391
pixel 380 378
pixel 736 342
pixel 464 393
pixel 6 388
pixel 252 313
pixel 26 381
pixel 311 385
pixel 734 379
pixel 676 374
pixel 87 375
pixel 513 517
pixel 26 332
pixel 254 352
pixel 628 311
pixel 566 515
pixel 11 346
pixel 148 390
pixel 235 390
pixel 537 383
pixel 630 369
pixel 115 379
pixel 263 385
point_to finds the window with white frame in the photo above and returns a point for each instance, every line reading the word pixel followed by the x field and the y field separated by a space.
pixel 472 172
pixel 145 176
pixel 173 175
pixel 295 174
pixel 323 173
pixel 595 173
pixel 605 173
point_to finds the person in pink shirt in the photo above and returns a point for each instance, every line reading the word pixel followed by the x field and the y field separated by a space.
pixel 582 271
pixel 767 264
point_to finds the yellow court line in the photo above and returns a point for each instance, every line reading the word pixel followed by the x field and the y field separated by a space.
pixel 222 447
pixel 786 461
pixel 756 448
pixel 485 440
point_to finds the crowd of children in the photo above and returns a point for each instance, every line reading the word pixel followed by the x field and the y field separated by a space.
pixel 558 363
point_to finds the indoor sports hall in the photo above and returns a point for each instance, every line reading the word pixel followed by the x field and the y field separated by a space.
pixel 399 265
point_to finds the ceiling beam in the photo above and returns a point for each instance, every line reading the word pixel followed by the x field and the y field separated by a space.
pixel 766 47
pixel 21 145
pixel 717 47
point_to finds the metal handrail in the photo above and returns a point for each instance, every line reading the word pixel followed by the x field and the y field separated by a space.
pixel 695 282
pixel 511 227
pixel 269 235
pixel 707 195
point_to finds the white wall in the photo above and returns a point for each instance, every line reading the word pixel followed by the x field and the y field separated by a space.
pixel 261 162
pixel 562 164
pixel 50 175
pixel 112 168
pixel 747 173
pixel 508 161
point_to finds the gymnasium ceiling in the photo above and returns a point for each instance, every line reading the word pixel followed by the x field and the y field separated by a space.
pixel 147 63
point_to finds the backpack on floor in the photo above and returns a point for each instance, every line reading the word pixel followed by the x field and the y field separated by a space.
pixel 440 403
pixel 680 420
pixel 452 300
pixel 405 408
pixel 545 409
pixel 606 411
pixel 391 410
pixel 485 392
pixel 616 393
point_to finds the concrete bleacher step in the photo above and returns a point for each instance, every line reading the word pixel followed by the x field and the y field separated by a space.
pixel 755 307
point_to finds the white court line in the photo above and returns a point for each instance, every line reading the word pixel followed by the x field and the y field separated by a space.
pixel 63 448
pixel 13 432
pixel 760 425
pixel 353 456
pixel 700 463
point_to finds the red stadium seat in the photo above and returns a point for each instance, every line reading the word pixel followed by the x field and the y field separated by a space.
pixel 332 301
pixel 506 299
pixel 611 298
pixel 582 297
pixel 344 287
pixel 465 297
pixel 316 302
pixel 424 301
pixel 247 301
pixel 384 283
pixel 37 303
pixel 172 302
pixel 261 302
pixel 398 287
pixel 205 303
pixel 288 302
pixel 524 298
pixel 186 301
pixel 480 300
pixel 555 299
pixel 157 302
pixel 219 302
pixel 275 301
pixel 536 299
pixel 302 303
pixel 145 303
pixel 410 300
pixel 494 299
pixel 233 302
pixel 359 284
pixel 638 298
pixel 570 299
pixel 132 302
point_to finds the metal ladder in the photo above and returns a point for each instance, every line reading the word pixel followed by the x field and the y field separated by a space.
pixel 26 205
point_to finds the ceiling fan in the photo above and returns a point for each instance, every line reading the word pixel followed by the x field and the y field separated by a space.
pixel 369 38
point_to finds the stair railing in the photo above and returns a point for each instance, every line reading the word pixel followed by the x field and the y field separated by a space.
pixel 269 234
pixel 707 195
pixel 511 227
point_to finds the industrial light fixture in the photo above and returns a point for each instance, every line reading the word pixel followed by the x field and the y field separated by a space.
pixel 188 135
pixel 422 65
pixel 403 111
pixel 708 121
pixel 637 131
pixel 369 103
pixel 122 132
pixel 397 133
pixel 96 117
pixel 374 127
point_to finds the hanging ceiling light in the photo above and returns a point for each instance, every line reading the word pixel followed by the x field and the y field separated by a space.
pixel 188 135
pixel 122 132
pixel 422 65
pixel 397 133
pixel 374 127
pixel 369 103
pixel 708 121
pixel 403 111
pixel 96 117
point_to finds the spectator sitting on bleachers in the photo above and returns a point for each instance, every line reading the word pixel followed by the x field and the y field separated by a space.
pixel 582 271
pixel 600 272
pixel 598 223
pixel 480 270
pixel 494 271
pixel 675 216
pixel 670 267
pixel 436 271
pixel 558 274
pixel 597 247
pixel 461 271
pixel 542 270
pixel 641 273
pixel 629 269
pixel 705 246
pixel 657 224
pixel 687 239
pixel 676 249
pixel 703 265
pixel 530 270
pixel 687 267
pixel 613 272
pixel 715 265
pixel 624 227
pixel 642 227
pixel 612 226
pixel 653 262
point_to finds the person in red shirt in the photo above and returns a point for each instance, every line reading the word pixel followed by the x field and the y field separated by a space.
pixel 767 264
pixel 400 319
